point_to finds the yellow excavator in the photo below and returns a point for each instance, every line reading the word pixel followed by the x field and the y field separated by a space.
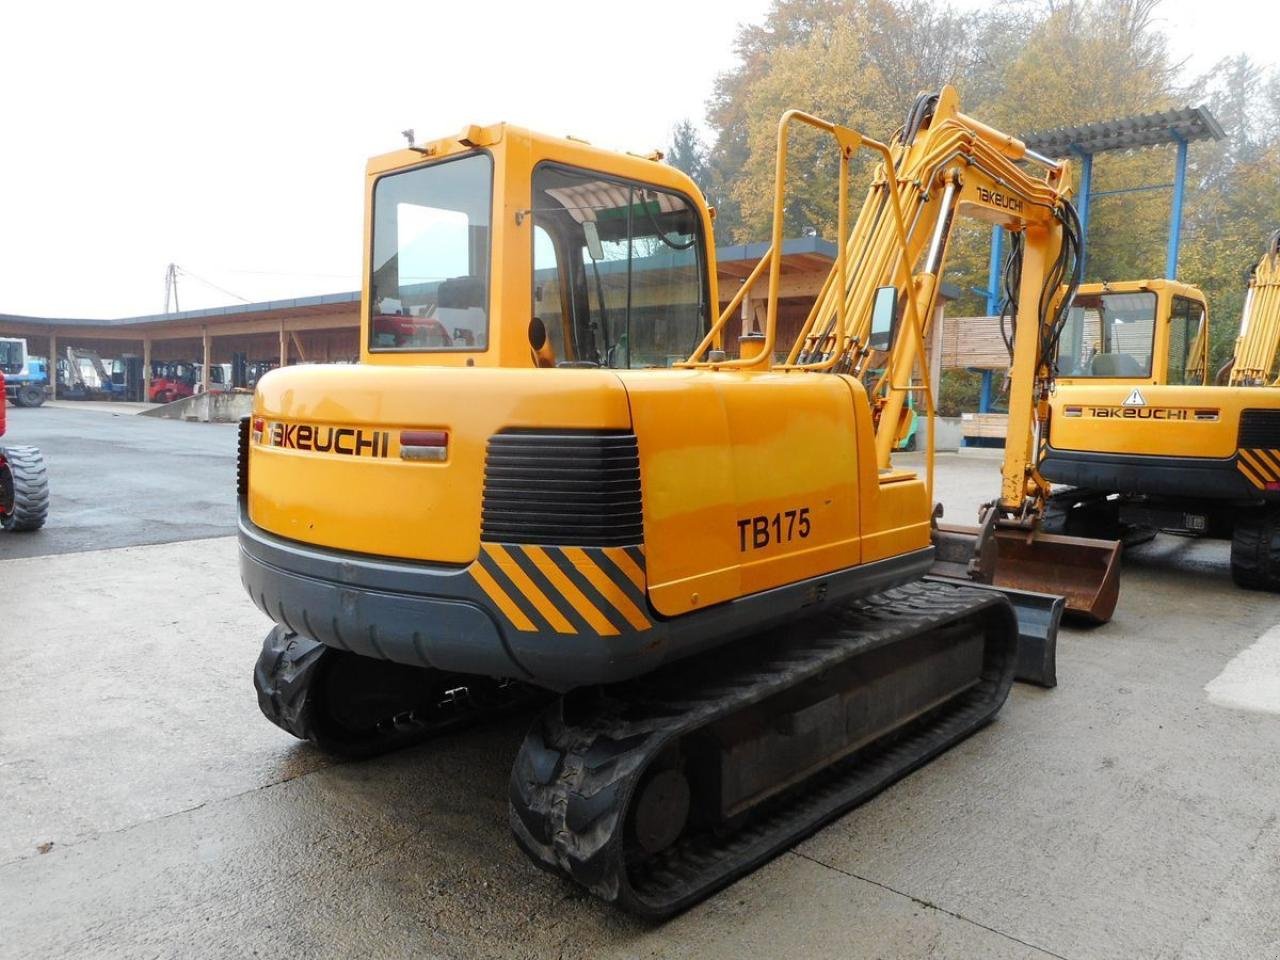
pixel 1253 361
pixel 1141 439
pixel 552 471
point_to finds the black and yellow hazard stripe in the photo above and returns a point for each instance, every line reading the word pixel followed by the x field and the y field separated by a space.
pixel 1260 467
pixel 567 590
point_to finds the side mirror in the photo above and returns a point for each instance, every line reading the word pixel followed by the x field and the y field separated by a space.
pixel 884 318
pixel 592 235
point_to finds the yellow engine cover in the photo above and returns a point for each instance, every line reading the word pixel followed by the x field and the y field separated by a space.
pixel 748 481
pixel 1152 420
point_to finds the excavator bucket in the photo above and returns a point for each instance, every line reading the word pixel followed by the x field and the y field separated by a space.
pixel 1084 572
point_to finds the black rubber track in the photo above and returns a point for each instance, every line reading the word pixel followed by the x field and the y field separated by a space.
pixel 1082 513
pixel 573 780
pixel 1255 549
pixel 299 679
pixel 24 472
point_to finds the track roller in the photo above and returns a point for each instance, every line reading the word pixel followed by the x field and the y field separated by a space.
pixel 656 792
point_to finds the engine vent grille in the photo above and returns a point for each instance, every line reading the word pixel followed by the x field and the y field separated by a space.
pixel 1260 428
pixel 569 488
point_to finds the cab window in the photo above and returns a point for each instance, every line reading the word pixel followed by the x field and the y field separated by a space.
pixel 13 355
pixel 1186 323
pixel 1108 335
pixel 619 269
pixel 548 302
pixel 430 283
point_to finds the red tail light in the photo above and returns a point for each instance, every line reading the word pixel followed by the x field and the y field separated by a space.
pixel 424 445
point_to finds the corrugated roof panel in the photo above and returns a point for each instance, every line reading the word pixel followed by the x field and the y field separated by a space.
pixel 1129 133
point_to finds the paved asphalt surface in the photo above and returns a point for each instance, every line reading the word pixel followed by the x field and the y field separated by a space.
pixel 149 810
pixel 118 479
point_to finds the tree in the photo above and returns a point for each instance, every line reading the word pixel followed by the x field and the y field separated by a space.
pixel 688 154
pixel 1022 66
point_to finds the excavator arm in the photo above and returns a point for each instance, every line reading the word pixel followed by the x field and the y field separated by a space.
pixel 876 310
pixel 1254 360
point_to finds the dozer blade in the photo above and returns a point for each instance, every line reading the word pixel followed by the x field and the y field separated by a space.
pixel 1086 573
pixel 1039 615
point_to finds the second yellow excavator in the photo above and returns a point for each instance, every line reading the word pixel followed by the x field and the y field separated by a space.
pixel 1145 444
pixel 551 469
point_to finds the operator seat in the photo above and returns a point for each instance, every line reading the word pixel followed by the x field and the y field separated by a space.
pixel 1115 365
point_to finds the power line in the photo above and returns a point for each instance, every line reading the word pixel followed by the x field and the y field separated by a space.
pixel 209 283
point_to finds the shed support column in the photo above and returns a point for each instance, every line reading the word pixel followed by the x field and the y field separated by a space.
pixel 53 366
pixel 284 347
pixel 204 369
pixel 1175 217
pixel 146 368
pixel 1082 206
pixel 994 269
pixel 984 398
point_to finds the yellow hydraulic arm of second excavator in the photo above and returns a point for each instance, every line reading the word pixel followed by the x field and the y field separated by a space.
pixel 875 310
pixel 1254 360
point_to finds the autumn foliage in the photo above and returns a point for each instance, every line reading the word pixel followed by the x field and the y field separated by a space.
pixel 1023 67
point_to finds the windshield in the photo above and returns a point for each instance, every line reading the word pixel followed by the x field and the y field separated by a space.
pixel 1108 335
pixel 12 355
pixel 430 281
pixel 619 271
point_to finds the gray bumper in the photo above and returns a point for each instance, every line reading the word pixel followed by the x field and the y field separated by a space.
pixel 411 613
pixel 436 616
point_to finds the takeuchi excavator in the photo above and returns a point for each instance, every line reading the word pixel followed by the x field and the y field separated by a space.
pixel 551 471
pixel 1144 443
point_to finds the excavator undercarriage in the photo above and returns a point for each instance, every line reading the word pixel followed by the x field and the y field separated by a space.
pixel 657 792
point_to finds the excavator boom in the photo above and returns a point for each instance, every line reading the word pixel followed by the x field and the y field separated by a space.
pixel 877 308
pixel 1254 359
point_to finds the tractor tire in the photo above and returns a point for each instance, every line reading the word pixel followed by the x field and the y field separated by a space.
pixel 30 395
pixel 1255 549
pixel 24 489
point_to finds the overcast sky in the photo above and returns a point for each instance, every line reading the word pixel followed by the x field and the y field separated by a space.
pixel 230 137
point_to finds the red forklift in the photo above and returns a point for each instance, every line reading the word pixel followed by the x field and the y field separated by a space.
pixel 171 380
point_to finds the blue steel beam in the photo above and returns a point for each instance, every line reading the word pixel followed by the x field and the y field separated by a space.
pixel 1082 208
pixel 1175 217
pixel 993 271
pixel 1112 193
